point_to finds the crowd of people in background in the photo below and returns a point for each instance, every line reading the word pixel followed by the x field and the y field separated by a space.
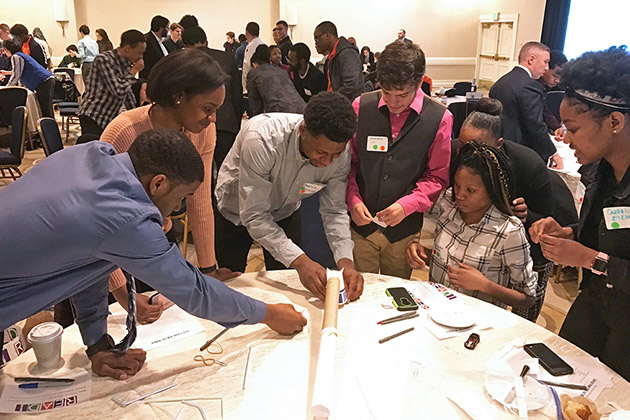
pixel 356 130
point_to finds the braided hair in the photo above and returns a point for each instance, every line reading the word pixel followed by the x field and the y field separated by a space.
pixel 491 164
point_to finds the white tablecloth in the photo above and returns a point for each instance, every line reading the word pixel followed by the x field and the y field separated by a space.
pixel 282 369
pixel 570 173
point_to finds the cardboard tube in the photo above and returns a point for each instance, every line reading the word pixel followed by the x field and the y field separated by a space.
pixel 331 305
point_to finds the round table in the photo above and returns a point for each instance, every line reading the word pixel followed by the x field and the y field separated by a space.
pixel 281 370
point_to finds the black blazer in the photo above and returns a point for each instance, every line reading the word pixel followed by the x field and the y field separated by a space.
pixel 152 54
pixel 522 99
pixel 230 113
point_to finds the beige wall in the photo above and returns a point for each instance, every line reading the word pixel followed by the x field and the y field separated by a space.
pixel 443 28
pixel 32 13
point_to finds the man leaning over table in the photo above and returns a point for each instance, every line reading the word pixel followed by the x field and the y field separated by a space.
pixel 278 160
pixel 78 215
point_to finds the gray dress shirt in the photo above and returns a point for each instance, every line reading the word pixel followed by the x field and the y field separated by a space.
pixel 264 178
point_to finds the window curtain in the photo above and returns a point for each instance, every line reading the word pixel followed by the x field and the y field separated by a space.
pixel 555 23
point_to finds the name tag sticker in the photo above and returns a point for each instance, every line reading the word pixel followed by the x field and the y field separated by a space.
pixel 377 144
pixel 617 217
pixel 311 188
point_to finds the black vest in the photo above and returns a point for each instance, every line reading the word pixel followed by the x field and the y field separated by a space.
pixel 384 177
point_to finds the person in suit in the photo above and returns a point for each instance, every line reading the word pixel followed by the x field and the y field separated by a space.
pixel 228 120
pixel 402 36
pixel 522 99
pixel 155 49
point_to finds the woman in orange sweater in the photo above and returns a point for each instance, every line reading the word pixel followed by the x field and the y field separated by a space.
pixel 185 88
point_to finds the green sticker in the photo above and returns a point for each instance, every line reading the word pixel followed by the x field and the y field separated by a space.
pixel 375 147
pixel 615 225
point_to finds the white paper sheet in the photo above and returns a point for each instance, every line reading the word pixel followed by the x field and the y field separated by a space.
pixel 173 325
pixel 433 295
pixel 586 371
pixel 16 400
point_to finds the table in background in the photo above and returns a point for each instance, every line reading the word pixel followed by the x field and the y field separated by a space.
pixel 570 173
pixel 282 369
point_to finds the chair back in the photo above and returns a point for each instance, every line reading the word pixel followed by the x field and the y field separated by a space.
pixel 65 70
pixel 18 132
pixel 49 134
pixel 10 98
pixel 553 100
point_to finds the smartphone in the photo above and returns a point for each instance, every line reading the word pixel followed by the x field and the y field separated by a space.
pixel 548 359
pixel 402 299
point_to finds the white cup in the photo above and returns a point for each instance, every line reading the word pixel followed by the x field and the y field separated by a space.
pixel 45 339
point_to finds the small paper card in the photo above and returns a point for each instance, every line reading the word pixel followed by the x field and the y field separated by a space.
pixel 19 400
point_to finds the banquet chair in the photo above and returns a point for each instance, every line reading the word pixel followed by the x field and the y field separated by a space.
pixel 10 161
pixel 65 70
pixel 11 98
pixel 49 135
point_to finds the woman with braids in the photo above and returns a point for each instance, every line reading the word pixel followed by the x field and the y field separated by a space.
pixel 538 192
pixel 480 248
pixel 596 113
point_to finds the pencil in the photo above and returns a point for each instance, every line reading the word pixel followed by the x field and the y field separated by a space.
pixel 398 334
pixel 402 318
pixel 396 318
pixel 213 339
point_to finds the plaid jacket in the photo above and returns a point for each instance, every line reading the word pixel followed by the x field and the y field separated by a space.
pixel 108 88
pixel 496 246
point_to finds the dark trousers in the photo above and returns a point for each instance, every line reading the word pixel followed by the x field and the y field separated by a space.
pixel 89 126
pixel 233 242
pixel 86 68
pixel 225 140
pixel 599 323
pixel 44 96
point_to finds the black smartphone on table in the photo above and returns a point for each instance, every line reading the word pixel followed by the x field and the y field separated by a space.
pixel 548 359
pixel 402 299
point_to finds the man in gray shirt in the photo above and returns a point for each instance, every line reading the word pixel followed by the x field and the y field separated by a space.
pixel 277 161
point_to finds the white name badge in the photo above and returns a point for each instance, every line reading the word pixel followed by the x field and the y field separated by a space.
pixel 311 188
pixel 617 217
pixel 377 144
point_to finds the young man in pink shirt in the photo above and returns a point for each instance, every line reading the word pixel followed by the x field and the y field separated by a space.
pixel 400 161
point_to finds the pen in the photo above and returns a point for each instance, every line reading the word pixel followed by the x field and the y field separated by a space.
pixel 41 385
pixel 402 318
pixel 396 318
pixel 561 385
pixel 153 296
pixel 398 334
pixel 213 339
pixel 37 379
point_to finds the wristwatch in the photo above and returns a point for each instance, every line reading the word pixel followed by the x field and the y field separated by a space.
pixel 208 270
pixel 600 265
pixel 106 343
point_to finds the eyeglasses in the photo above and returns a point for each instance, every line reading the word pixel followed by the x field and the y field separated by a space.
pixel 316 37
pixel 214 349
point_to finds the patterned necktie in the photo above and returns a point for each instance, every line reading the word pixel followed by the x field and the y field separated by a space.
pixel 128 340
